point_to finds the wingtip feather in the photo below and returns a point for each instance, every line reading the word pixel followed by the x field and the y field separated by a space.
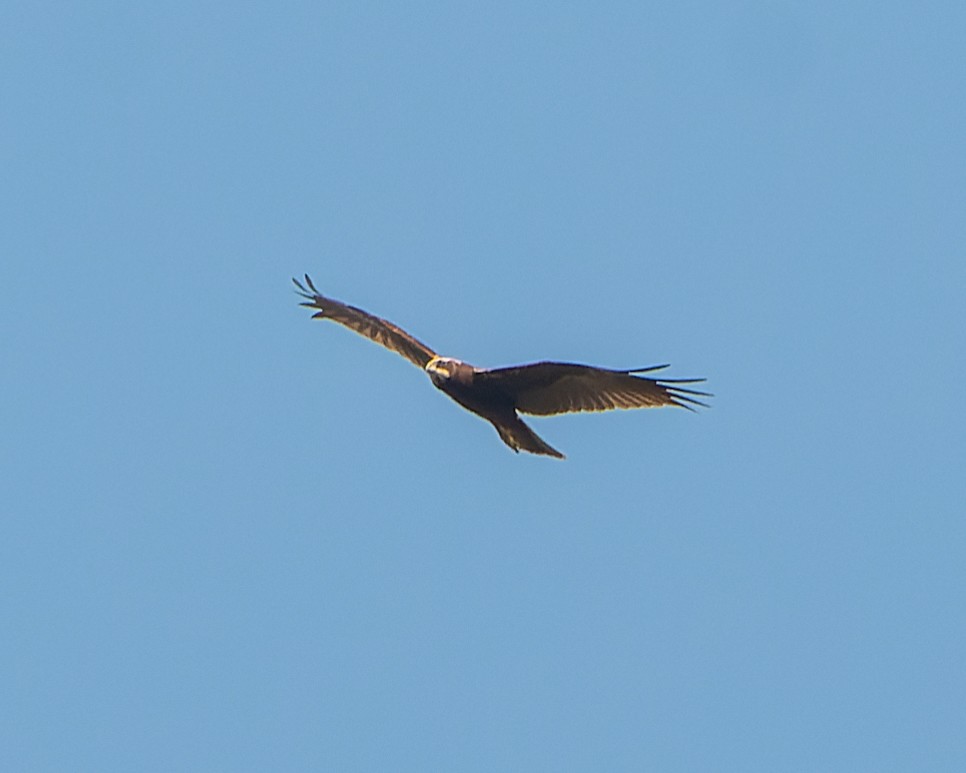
pixel 687 391
pixel 682 401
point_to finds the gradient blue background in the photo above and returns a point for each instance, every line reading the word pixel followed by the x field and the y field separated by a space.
pixel 237 539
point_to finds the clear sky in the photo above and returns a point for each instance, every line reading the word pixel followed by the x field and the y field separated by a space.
pixel 237 539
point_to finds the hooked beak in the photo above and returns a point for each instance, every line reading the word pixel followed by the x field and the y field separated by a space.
pixel 437 373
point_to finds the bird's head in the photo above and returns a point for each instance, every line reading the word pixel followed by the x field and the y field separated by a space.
pixel 444 369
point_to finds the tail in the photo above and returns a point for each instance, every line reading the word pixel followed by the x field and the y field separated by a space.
pixel 518 436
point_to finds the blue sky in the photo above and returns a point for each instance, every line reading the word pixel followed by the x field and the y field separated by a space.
pixel 234 538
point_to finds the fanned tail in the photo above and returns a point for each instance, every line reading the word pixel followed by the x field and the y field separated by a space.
pixel 516 434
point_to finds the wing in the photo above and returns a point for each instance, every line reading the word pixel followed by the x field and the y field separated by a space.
pixel 374 328
pixel 546 388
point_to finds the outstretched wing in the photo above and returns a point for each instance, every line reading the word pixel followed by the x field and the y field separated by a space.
pixel 545 388
pixel 372 327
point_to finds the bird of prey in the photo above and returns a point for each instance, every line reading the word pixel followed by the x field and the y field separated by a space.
pixel 500 394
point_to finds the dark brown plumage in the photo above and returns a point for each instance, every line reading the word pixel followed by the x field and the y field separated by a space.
pixel 497 395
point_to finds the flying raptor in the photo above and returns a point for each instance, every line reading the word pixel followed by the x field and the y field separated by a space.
pixel 498 395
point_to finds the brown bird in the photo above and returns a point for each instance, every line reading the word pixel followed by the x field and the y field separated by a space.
pixel 539 389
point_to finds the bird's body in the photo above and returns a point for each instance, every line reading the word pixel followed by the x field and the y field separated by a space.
pixel 498 395
pixel 469 387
